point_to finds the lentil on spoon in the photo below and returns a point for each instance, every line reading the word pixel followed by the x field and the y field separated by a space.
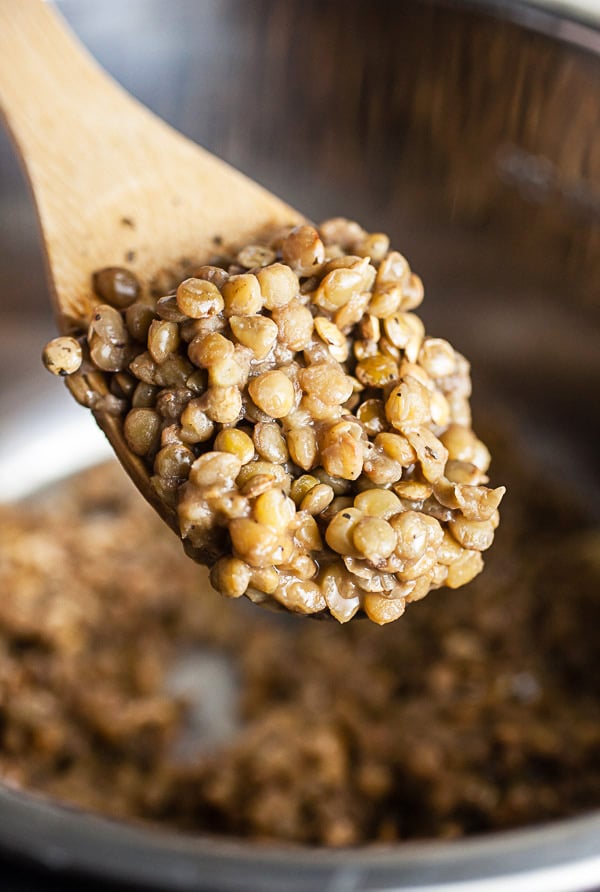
pixel 314 443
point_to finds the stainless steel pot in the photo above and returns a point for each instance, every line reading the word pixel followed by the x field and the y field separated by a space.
pixel 468 131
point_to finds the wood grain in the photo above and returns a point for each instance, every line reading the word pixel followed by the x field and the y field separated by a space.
pixel 107 174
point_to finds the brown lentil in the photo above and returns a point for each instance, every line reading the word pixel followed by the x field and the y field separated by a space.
pixel 196 426
pixel 333 337
pixel 163 339
pixel 302 444
pixel 303 250
pixel 294 325
pixel 270 442
pixel 142 430
pixel 256 332
pixel 174 460
pixel 116 286
pixel 237 442
pixel 138 318
pixel 255 255
pixel 197 298
pixel 374 538
pixel 63 356
pixel 214 274
pixel 242 295
pixel 317 499
pixel 106 356
pixel 273 392
pixel 222 404
pixel 168 309
pixel 278 284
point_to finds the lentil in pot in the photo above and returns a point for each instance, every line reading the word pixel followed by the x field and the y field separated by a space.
pixel 482 715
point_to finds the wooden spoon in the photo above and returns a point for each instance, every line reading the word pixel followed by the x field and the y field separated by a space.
pixel 111 181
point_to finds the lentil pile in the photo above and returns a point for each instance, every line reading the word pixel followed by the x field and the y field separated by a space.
pixel 315 443
pixel 478 714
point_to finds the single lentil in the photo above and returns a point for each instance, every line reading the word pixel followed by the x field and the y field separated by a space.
pixel 63 356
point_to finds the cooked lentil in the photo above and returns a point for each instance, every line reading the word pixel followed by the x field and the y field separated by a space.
pixel 346 735
pixel 63 356
pixel 308 347
pixel 116 286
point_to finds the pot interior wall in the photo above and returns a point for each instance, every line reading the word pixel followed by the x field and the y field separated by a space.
pixel 467 138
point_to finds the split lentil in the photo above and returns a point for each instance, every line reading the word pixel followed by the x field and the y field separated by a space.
pixel 299 355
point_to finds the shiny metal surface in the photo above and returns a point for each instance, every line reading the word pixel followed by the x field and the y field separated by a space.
pixel 559 858
pixel 473 138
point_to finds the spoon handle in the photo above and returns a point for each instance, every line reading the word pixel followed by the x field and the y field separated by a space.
pixel 80 136
pixel 113 183
pixel 70 121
